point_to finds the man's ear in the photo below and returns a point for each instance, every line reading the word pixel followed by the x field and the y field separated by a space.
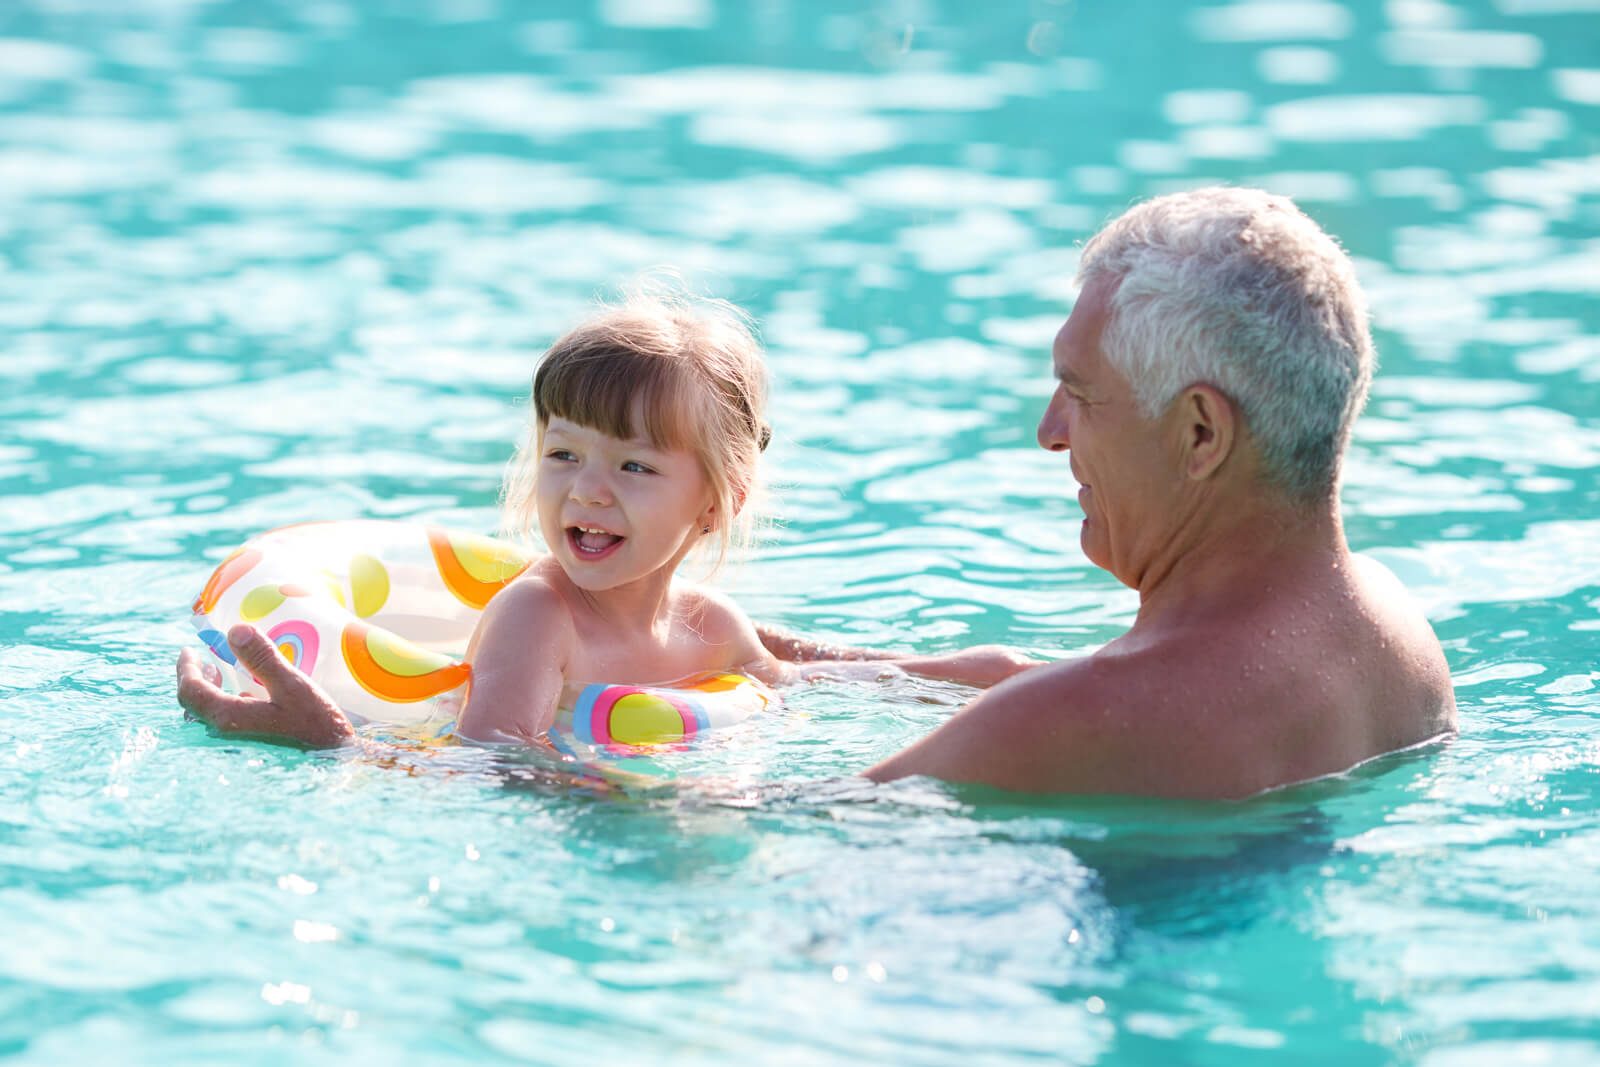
pixel 1210 426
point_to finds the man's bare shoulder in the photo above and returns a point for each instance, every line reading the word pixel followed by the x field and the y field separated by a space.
pixel 1095 724
pixel 1386 599
pixel 1419 671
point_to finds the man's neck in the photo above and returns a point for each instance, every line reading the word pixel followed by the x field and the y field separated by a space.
pixel 1222 564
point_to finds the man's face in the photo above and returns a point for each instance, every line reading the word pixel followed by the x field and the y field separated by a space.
pixel 1125 468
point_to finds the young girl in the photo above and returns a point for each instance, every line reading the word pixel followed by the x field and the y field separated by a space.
pixel 649 421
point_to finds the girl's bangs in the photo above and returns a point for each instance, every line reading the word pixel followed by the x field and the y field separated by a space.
pixel 605 390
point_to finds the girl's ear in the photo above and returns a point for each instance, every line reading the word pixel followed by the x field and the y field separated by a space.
pixel 1209 425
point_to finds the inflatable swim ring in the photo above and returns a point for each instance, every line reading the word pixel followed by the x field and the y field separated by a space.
pixel 379 613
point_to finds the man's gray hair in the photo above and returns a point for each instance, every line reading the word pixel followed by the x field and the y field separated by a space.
pixel 1238 289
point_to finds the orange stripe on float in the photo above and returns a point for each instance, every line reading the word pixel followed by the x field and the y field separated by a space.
pixel 385 684
pixel 467 589
pixel 227 572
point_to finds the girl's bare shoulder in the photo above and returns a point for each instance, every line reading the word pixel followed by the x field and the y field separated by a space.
pixel 713 615
pixel 531 603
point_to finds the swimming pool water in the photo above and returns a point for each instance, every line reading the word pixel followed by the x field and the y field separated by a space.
pixel 260 265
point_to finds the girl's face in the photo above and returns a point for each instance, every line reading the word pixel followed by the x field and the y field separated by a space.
pixel 615 511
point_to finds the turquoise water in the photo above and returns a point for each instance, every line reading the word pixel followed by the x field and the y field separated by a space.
pixel 264 264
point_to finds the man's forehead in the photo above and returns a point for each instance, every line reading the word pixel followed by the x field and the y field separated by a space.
pixel 1079 336
pixel 1060 355
pixel 1066 354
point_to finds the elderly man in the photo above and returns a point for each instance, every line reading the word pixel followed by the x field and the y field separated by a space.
pixel 1207 380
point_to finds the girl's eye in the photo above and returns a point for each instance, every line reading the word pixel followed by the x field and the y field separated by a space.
pixel 560 454
pixel 635 467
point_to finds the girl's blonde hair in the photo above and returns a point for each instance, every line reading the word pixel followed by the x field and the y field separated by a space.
pixel 693 366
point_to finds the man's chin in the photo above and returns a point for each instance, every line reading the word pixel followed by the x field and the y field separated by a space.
pixel 1089 541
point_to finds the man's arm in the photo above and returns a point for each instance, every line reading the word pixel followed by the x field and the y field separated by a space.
pixel 994 740
pixel 296 710
pixel 981 665
pixel 791 647
pixel 1146 723
pixel 1076 726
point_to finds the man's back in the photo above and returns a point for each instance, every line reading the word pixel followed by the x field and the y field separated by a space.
pixel 1316 668
pixel 1324 664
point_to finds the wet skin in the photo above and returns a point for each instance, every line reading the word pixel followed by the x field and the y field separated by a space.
pixel 1264 652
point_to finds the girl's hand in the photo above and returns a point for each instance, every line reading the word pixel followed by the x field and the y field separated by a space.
pixel 296 709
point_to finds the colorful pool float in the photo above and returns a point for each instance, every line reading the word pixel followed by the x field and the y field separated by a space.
pixel 379 614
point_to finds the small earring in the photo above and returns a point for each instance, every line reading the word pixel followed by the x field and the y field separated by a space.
pixel 706 528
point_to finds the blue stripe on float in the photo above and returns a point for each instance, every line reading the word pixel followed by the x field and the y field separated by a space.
pixel 217 641
pixel 702 718
pixel 583 713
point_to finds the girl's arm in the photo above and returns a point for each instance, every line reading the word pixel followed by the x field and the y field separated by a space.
pixel 982 665
pixel 518 654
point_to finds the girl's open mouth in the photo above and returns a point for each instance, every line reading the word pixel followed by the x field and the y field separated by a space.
pixel 589 543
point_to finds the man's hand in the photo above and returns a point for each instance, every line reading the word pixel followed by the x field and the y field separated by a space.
pixel 296 709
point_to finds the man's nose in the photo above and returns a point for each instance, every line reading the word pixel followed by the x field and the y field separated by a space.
pixel 1053 429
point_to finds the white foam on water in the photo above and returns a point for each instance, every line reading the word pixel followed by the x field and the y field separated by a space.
pixel 1272 20
pixel 658 14
pixel 1374 117
pixel 1461 48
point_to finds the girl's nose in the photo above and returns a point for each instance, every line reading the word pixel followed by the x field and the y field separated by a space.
pixel 590 491
pixel 1053 427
